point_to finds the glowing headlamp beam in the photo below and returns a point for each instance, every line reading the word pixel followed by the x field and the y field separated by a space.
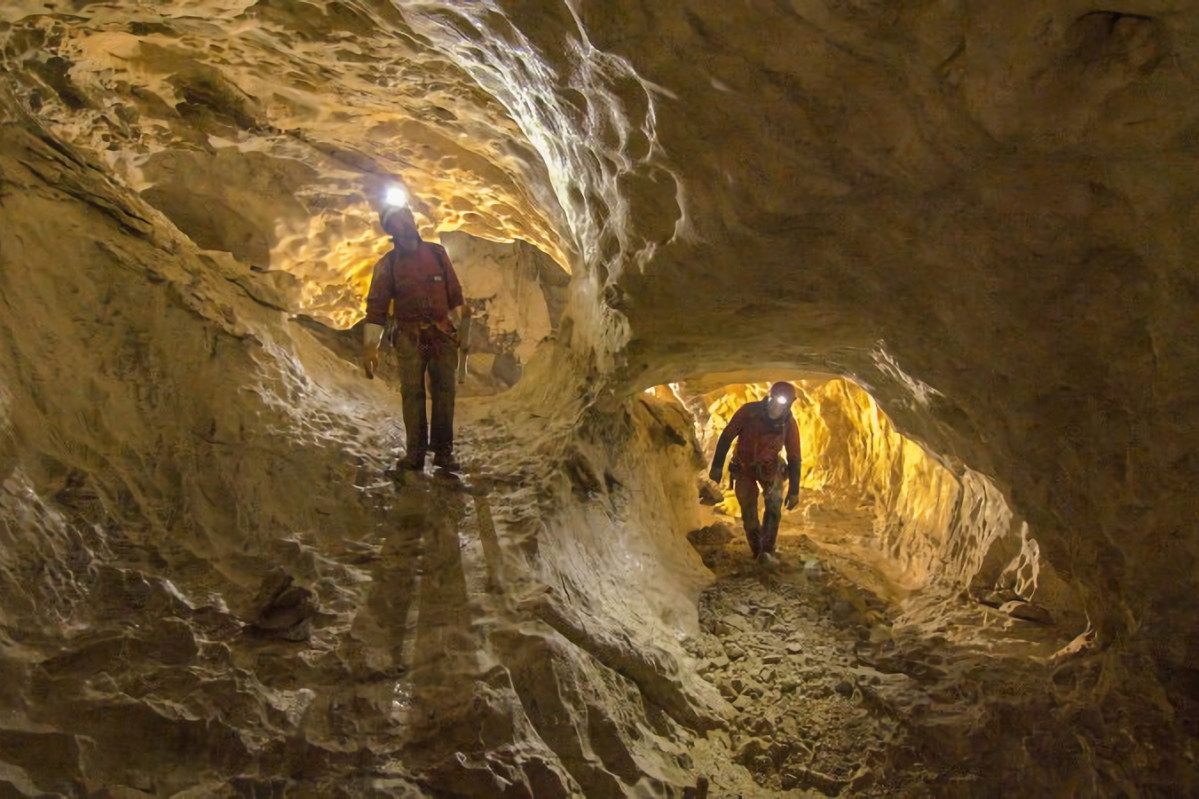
pixel 396 197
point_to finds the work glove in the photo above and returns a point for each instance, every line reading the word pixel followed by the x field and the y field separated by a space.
pixel 792 500
pixel 370 361
pixel 715 473
pixel 371 336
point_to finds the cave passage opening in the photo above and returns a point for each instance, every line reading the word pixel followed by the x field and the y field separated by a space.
pixel 932 538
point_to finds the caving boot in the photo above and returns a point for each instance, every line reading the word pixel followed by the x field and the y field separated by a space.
pixel 446 462
pixel 412 462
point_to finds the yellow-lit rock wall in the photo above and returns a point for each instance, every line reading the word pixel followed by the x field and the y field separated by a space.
pixel 935 523
pixel 273 130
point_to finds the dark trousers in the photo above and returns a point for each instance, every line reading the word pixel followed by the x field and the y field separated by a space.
pixel 435 354
pixel 761 537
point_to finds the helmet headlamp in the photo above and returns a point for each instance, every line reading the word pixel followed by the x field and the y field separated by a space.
pixel 396 197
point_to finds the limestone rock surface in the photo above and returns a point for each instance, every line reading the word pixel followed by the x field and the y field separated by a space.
pixel 984 215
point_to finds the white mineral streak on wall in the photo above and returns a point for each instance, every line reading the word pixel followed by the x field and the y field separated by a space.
pixel 44 563
pixel 588 143
pixel 887 364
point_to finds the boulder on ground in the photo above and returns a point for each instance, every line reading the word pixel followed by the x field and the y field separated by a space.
pixel 717 534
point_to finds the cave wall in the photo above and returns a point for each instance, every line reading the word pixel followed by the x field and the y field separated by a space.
pixel 516 292
pixel 238 137
pixel 154 404
pixel 983 215
pixel 171 441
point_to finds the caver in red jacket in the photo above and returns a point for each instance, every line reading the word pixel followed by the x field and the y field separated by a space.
pixel 422 284
pixel 755 463
pixel 418 278
pixel 760 439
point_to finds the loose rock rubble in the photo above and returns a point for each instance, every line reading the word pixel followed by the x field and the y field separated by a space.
pixel 842 685
pixel 783 647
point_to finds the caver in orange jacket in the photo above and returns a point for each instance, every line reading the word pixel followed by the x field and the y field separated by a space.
pixel 759 441
pixel 422 284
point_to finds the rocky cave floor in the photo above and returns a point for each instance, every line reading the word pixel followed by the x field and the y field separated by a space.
pixel 193 680
pixel 833 693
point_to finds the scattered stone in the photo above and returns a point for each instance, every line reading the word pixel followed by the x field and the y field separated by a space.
pixel 120 792
pixel 743 702
pixel 788 685
pixel 843 610
pixel 999 597
pixel 845 688
pixel 713 535
pixel 800 777
pixel 794 648
pixel 779 751
pixel 864 778
pixel 282 610
pixel 720 662
pixel 772 659
pixel 749 751
pixel 761 727
pixel 736 621
pixel 734 651
pixel 709 494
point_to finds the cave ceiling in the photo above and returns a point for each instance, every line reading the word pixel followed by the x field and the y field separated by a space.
pixel 831 172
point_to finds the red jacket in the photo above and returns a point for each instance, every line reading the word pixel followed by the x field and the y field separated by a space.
pixel 422 284
pixel 759 441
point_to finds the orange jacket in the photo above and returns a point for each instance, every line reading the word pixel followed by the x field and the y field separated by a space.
pixel 423 285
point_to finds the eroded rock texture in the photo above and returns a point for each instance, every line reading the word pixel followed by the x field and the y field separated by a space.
pixel 982 214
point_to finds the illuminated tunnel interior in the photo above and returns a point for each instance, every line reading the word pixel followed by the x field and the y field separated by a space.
pixel 964 234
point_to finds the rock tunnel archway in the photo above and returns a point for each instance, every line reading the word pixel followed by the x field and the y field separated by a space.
pixel 940 523
pixel 1004 197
